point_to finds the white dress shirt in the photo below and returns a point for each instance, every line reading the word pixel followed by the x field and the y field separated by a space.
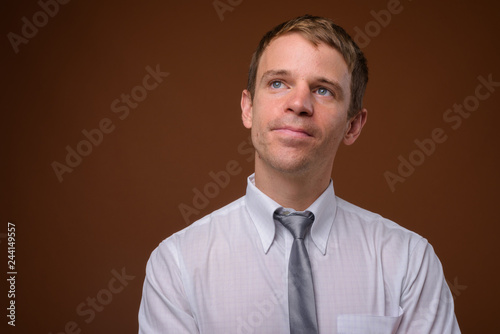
pixel 228 272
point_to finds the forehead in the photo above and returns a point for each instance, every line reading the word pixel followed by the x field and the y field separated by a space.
pixel 294 53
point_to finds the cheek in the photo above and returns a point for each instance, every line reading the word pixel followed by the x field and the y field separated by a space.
pixel 266 104
pixel 335 129
pixel 260 117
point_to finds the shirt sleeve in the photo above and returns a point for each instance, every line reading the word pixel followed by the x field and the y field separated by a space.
pixel 164 305
pixel 426 299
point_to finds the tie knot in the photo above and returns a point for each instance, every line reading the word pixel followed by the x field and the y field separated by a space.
pixel 296 222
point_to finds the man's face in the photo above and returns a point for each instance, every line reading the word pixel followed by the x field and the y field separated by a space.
pixel 298 115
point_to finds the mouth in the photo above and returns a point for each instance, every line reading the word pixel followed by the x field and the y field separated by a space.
pixel 293 131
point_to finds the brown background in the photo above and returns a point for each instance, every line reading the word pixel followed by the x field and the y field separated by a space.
pixel 123 199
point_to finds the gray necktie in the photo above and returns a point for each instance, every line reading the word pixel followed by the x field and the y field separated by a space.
pixel 301 303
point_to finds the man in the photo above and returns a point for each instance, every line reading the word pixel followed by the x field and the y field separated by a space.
pixel 246 269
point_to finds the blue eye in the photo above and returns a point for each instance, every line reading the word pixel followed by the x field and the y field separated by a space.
pixel 276 84
pixel 323 91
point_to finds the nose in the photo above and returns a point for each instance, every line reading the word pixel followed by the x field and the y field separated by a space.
pixel 300 101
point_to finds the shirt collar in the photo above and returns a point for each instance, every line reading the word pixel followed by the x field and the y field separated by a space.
pixel 261 209
pixel 324 209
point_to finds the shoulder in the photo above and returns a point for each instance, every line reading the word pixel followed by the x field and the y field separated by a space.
pixel 228 213
pixel 402 253
pixel 375 227
pixel 203 229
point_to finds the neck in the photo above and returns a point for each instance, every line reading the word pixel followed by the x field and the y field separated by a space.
pixel 290 190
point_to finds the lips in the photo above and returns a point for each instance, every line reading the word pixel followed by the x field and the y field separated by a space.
pixel 293 131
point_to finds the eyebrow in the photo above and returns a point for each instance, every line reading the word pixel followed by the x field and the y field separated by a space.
pixel 272 73
pixel 335 85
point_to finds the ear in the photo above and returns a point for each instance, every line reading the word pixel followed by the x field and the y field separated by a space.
pixel 355 126
pixel 246 108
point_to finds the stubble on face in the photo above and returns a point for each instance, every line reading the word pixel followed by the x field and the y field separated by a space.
pixel 294 130
pixel 292 155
